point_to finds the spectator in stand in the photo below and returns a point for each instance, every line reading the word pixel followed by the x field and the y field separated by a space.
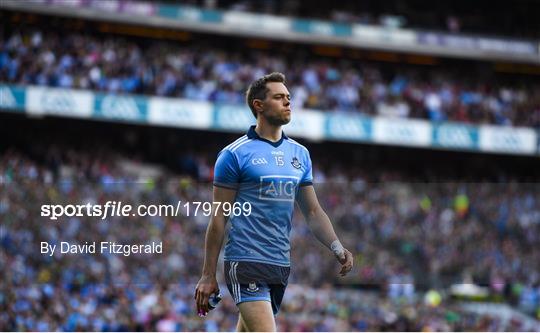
pixel 408 237
pixel 210 74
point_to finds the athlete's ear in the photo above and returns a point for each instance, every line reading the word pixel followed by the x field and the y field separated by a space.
pixel 258 105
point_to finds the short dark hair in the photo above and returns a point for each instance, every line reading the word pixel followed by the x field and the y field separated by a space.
pixel 257 89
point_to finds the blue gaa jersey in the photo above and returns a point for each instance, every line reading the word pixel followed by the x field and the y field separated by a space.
pixel 267 175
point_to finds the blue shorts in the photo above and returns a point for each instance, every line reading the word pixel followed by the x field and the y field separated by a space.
pixel 252 281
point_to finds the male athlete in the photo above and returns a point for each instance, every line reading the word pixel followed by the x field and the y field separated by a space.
pixel 270 171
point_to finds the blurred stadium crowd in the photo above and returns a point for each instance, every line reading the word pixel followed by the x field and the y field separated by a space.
pixel 409 238
pixel 456 16
pixel 208 73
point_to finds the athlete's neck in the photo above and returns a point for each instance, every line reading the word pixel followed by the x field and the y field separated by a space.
pixel 269 132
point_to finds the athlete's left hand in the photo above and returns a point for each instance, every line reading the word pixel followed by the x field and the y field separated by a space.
pixel 346 261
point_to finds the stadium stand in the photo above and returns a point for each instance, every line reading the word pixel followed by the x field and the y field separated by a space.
pixel 201 72
pixel 409 237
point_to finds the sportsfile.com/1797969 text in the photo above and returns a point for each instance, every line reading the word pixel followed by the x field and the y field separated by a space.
pixel 118 209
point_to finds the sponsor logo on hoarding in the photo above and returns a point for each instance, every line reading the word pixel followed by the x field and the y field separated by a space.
pixel 402 132
pixel 190 14
pixel 66 102
pixel 307 124
pixel 233 117
pixel 179 112
pixel 7 99
pixel 119 107
pixel 348 127
pixel 454 136
pixel 321 28
pixel 511 140
pixel 58 101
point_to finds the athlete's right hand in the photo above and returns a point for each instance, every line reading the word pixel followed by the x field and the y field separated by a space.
pixel 206 286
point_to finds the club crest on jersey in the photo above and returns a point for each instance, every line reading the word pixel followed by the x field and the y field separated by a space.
pixel 295 163
pixel 252 287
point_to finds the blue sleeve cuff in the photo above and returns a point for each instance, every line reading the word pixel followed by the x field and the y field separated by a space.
pixel 229 186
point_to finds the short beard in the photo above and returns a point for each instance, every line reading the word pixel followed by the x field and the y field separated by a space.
pixel 277 121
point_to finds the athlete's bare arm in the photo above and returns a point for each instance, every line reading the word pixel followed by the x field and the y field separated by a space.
pixel 320 225
pixel 213 241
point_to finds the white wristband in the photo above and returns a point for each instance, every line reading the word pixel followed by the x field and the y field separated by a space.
pixel 337 248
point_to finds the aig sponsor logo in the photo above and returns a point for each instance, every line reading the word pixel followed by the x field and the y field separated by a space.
pixel 259 161
pixel 278 188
